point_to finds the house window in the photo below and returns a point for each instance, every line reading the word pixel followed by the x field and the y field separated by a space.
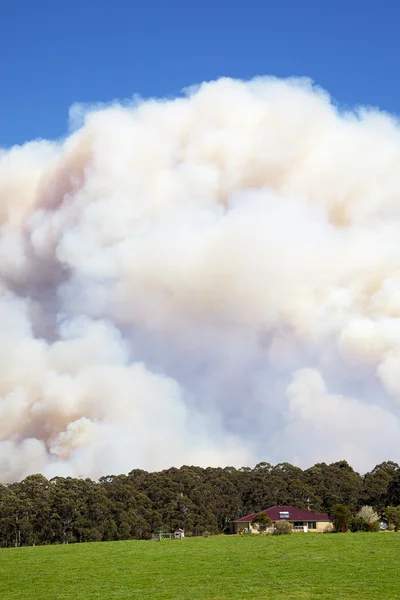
pixel 298 523
pixel 312 525
pixel 284 515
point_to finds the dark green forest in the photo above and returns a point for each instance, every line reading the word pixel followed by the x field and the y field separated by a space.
pixel 120 507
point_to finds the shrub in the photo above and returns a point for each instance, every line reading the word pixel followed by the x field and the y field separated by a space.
pixel 358 524
pixel 282 528
pixel 365 520
pixel 368 514
pixel 393 516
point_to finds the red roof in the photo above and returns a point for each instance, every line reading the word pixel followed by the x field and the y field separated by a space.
pixel 295 514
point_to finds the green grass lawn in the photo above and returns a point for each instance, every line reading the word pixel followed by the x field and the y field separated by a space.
pixel 363 566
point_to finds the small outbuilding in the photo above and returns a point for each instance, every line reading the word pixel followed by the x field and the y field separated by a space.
pixel 179 534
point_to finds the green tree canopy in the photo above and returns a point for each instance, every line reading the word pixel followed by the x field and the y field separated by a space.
pixel 341 517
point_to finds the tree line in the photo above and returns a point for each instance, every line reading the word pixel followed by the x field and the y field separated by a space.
pixel 119 507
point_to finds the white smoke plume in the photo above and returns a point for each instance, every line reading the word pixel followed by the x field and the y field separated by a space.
pixel 209 280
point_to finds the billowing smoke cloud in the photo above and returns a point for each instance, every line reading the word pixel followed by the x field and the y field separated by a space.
pixel 211 280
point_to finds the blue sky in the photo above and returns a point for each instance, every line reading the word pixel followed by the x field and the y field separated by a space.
pixel 56 53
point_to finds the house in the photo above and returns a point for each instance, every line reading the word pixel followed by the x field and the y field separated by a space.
pixel 301 519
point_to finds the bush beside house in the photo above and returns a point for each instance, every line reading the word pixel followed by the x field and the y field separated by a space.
pixel 282 528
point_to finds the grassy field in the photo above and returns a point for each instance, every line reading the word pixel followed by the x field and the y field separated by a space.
pixel 315 566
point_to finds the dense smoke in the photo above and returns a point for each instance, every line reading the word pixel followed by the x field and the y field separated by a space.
pixel 210 280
